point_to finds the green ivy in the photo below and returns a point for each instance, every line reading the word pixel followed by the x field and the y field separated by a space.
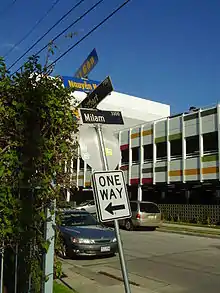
pixel 36 140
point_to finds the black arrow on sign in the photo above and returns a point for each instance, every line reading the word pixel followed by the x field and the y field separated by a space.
pixel 110 208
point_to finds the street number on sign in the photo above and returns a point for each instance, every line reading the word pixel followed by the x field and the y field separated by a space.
pixel 111 196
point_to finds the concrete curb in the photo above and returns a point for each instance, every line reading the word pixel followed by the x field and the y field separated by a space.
pixel 189 233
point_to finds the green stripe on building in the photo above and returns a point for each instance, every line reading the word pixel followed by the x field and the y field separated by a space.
pixel 161 169
pixel 147 170
pixel 175 136
pixel 191 116
pixel 210 158
pixel 209 112
pixel 160 139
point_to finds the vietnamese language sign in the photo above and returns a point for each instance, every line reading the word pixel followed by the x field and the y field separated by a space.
pixel 79 84
pixel 87 65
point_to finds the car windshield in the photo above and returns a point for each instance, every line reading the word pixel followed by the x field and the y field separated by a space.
pixel 149 208
pixel 78 219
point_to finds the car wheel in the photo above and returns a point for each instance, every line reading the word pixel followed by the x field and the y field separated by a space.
pixel 112 254
pixel 65 252
pixel 128 225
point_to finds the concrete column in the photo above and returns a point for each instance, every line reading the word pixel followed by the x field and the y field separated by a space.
pixel 139 193
pixel 187 194
pixel 217 196
pixel 218 193
pixel 163 195
pixel 129 192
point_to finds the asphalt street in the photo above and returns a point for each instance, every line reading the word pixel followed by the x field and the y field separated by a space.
pixel 164 262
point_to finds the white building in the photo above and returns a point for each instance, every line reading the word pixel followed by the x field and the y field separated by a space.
pixel 135 111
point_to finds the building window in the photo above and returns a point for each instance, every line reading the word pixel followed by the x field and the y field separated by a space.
pixel 74 164
pixel 161 150
pixel 176 148
pixel 81 163
pixel 148 152
pixel 135 155
pixel 210 142
pixel 192 145
pixel 125 157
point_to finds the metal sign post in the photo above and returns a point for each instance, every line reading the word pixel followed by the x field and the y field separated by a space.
pixel 89 142
pixel 117 231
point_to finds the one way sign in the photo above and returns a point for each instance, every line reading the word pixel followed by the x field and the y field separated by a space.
pixel 111 197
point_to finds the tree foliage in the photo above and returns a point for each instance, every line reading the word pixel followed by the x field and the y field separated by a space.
pixel 37 129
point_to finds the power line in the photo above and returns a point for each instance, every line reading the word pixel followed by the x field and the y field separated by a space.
pixel 32 29
pixel 66 29
pixel 8 7
pixel 90 32
pixel 72 24
pixel 47 32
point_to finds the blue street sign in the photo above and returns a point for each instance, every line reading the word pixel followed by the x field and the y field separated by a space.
pixel 79 84
pixel 87 65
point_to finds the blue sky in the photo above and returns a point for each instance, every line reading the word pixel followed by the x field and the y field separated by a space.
pixel 164 50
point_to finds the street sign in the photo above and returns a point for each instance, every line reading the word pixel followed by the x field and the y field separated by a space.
pixel 87 65
pixel 80 84
pixel 96 96
pixel 93 116
pixel 111 196
pixel 90 148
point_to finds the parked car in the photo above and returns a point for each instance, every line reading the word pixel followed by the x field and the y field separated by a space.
pixel 82 234
pixel 144 214
pixel 88 206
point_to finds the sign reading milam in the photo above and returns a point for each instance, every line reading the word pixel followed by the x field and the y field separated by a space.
pixel 93 116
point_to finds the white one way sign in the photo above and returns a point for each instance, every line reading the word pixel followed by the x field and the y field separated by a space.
pixel 111 197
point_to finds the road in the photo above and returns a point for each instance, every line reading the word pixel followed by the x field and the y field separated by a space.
pixel 164 262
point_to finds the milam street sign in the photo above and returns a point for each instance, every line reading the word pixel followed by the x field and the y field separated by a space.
pixel 111 196
pixel 92 116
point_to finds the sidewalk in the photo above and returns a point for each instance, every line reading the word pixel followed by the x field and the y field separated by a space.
pixel 209 232
pixel 83 280
pixel 82 284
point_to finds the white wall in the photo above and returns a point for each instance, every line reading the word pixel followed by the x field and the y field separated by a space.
pixel 134 110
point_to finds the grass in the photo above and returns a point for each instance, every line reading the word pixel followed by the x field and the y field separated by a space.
pixel 59 288
pixel 193 224
pixel 184 229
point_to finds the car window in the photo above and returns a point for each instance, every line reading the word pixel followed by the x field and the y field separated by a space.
pixel 133 206
pixel 78 219
pixel 149 208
